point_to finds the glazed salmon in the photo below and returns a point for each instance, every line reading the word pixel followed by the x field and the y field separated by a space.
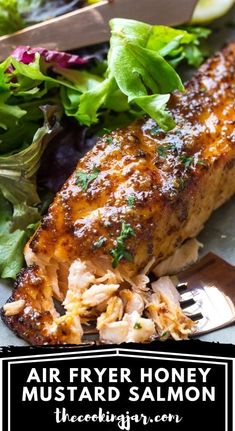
pixel 131 202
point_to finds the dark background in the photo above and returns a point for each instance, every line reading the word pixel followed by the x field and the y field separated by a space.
pixel 39 415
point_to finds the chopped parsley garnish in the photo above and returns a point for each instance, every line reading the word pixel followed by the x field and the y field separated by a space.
pixel 99 243
pixel 106 130
pixel 85 178
pixel 187 161
pixel 137 325
pixel 120 251
pixel 155 130
pixel 201 163
pixel 109 140
pixel 165 335
pixel 131 201
pixel 163 149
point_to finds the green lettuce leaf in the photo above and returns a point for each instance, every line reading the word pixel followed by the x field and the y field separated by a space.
pixel 165 39
pixel 17 171
pixel 19 198
pixel 23 216
pixel 141 63
pixel 9 114
pixel 93 100
pixel 12 242
pixel 11 252
pixel 149 71
pixel 155 106
pixel 10 18
pixel 194 51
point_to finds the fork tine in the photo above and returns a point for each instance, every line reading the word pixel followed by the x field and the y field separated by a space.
pixel 195 317
pixel 188 294
pixel 182 287
pixel 187 303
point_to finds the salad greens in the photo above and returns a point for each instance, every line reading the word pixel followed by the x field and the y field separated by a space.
pixel 19 199
pixel 149 52
pixel 10 18
pixel 16 14
pixel 12 241
pixel 17 171
pixel 41 91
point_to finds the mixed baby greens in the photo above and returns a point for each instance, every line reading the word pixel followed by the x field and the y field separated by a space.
pixel 16 14
pixel 40 90
pixel 140 71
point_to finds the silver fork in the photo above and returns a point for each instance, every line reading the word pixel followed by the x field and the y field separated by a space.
pixel 208 293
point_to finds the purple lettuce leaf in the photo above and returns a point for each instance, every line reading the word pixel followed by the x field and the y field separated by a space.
pixel 26 55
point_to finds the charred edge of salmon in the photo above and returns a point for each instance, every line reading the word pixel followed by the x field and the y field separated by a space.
pixel 29 326
pixel 31 323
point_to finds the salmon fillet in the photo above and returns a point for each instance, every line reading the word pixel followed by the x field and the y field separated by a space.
pixel 131 202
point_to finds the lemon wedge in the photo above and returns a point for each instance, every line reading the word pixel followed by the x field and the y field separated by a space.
pixel 208 10
pixel 93 1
